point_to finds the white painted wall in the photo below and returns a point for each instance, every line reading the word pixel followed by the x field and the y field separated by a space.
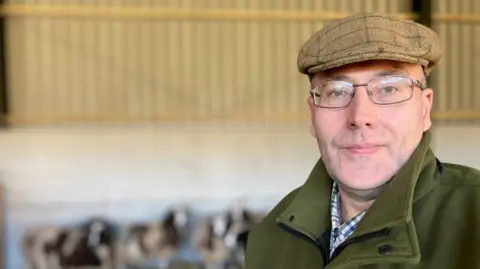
pixel 66 174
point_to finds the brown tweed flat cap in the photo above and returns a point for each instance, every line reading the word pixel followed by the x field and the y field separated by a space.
pixel 369 36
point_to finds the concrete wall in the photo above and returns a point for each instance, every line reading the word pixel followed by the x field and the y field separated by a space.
pixel 65 175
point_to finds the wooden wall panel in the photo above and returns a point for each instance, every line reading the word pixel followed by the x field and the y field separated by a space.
pixel 454 81
pixel 69 69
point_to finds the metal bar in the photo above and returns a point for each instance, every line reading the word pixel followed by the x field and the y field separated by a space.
pixel 4 104
pixel 419 7
pixel 423 9
pixel 472 18
pixel 148 13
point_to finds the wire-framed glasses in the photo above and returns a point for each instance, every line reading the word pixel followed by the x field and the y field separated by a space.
pixel 386 90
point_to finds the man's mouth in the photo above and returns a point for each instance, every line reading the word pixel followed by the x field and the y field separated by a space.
pixel 363 149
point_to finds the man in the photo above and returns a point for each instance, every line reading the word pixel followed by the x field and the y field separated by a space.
pixel 378 197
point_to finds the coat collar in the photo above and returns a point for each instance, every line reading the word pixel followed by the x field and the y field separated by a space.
pixel 309 212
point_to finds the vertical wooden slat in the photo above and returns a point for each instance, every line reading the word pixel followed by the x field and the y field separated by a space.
pixel 369 6
pixel 46 65
pixel 242 74
pixel 214 70
pixel 4 92
pixel 465 44
pixel 143 106
pixel 60 74
pixel 154 75
pixel 81 52
pixel 454 60
pixel 119 60
pixel 73 72
pixel 297 34
pixel 131 67
pixel 357 6
pixel 381 6
pixel 181 69
pixel 475 69
pixel 160 59
pixel 200 87
pixel 254 60
pixel 91 66
pixel 104 42
pixel 230 67
pixel 31 68
pixel 441 90
pixel 15 44
pixel 286 62
pixel 266 68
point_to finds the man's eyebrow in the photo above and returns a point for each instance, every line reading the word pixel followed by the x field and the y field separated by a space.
pixel 391 72
pixel 327 77
pixel 330 77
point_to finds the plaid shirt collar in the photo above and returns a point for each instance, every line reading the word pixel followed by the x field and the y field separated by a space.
pixel 340 232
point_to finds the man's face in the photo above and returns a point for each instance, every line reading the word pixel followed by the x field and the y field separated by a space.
pixel 364 144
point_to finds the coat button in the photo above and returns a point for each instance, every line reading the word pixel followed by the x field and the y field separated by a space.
pixel 291 217
pixel 385 249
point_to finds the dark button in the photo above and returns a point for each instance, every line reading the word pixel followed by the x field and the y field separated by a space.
pixel 291 217
pixel 385 249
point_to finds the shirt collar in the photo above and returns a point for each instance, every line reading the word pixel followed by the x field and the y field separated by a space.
pixel 335 207
pixel 340 231
pixel 336 215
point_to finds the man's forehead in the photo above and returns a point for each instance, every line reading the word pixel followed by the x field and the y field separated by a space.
pixel 374 68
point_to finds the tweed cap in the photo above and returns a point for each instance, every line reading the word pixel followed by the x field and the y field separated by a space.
pixel 369 36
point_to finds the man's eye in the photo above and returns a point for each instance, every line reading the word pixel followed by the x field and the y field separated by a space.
pixel 388 89
pixel 337 93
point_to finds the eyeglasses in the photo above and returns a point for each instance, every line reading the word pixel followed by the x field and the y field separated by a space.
pixel 385 90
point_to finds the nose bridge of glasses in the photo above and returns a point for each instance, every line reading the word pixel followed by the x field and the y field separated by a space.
pixel 362 99
pixel 360 85
pixel 365 85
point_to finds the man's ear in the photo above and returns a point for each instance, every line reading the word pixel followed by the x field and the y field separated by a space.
pixel 427 102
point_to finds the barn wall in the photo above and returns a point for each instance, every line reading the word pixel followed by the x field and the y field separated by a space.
pixel 96 70
pixel 67 69
pixel 66 175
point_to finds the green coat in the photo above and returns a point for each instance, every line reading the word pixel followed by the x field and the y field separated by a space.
pixel 427 217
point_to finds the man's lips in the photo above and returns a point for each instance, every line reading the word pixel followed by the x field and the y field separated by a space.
pixel 363 149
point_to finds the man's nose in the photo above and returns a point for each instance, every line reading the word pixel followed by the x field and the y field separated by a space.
pixel 362 111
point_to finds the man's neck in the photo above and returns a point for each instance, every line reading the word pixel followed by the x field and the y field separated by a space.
pixel 354 202
pixel 350 208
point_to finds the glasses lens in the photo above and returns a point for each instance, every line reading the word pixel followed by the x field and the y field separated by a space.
pixel 389 90
pixel 333 94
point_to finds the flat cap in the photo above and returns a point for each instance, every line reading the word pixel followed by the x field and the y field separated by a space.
pixel 369 36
